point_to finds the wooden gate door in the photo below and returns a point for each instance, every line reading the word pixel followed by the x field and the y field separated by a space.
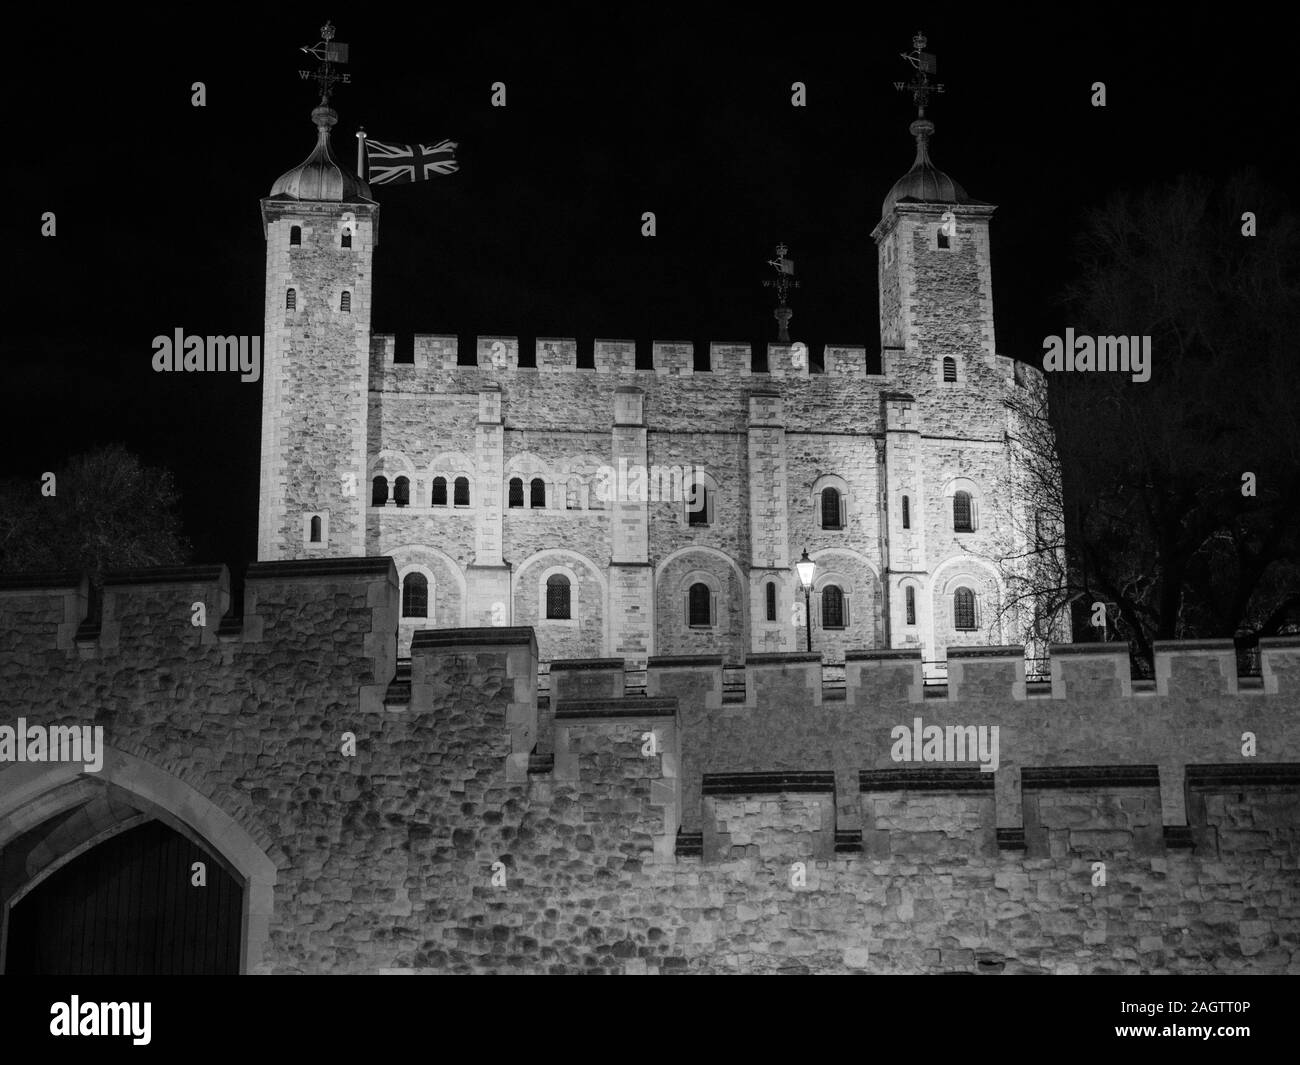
pixel 128 907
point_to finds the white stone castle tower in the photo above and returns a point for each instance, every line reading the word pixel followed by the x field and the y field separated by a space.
pixel 321 229
pixel 482 477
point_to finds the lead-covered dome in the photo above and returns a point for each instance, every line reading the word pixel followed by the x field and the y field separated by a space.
pixel 924 183
pixel 319 177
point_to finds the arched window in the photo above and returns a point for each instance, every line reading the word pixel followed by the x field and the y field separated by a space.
pixel 295 235
pixel 700 606
pixel 291 299
pixel 907 513
pixel 831 510
pixel 537 493
pixel 379 491
pixel 345 302
pixel 557 597
pixel 961 513
pixel 910 596
pixel 945 241
pixel 402 491
pixel 347 239
pixel 516 492
pixel 697 510
pixel 415 596
pixel 438 492
pixel 949 369
pixel 771 600
pixel 832 607
pixel 315 529
pixel 963 609
pixel 460 492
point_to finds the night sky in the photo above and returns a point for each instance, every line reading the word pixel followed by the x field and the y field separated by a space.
pixel 612 111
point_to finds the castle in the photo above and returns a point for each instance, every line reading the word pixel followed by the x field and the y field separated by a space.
pixel 369 774
pixel 489 482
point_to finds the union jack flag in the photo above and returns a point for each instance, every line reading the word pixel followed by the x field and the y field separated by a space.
pixel 396 164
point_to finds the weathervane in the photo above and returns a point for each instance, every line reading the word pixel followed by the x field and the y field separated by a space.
pixel 783 283
pixel 328 53
pixel 925 64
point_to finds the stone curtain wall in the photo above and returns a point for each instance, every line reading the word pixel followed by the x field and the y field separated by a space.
pixel 476 831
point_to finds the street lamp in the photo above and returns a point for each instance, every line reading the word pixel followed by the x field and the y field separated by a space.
pixel 806 566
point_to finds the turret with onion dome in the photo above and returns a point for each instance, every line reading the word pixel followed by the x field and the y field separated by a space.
pixel 925 182
pixel 320 178
pixel 322 229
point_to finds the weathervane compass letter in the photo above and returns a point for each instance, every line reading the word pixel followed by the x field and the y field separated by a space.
pixel 329 52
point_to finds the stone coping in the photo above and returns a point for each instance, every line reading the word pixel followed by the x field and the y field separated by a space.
pixel 767 783
pixel 964 778
pixel 625 706
pixel 902 654
pixel 373 566
pixel 573 664
pixel 782 658
pixel 516 635
pixel 165 575
pixel 1091 776
pixel 53 580
pixel 1237 776
pixel 1087 649
pixel 1279 641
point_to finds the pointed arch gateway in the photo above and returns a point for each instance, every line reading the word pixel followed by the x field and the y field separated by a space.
pixel 52 814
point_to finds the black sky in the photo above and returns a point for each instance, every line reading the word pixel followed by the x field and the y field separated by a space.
pixel 612 111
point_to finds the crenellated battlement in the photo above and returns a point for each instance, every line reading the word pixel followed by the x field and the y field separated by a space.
pixel 500 354
pixel 294 727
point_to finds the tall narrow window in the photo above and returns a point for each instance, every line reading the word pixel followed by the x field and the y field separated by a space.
pixel 315 529
pixel 831 509
pixel 961 513
pixel 291 299
pixel 345 302
pixel 347 238
pixel 963 609
pixel 415 596
pixel 460 495
pixel 771 600
pixel 949 369
pixel 573 495
pixel 699 603
pixel 438 492
pixel 537 493
pixel 295 235
pixel 944 240
pixel 907 513
pixel 910 595
pixel 557 597
pixel 379 491
pixel 516 492
pixel 832 607
pixel 697 509
pixel 402 491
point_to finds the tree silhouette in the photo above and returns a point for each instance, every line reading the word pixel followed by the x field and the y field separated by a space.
pixel 108 512
pixel 1153 494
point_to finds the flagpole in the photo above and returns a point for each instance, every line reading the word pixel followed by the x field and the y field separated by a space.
pixel 361 140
